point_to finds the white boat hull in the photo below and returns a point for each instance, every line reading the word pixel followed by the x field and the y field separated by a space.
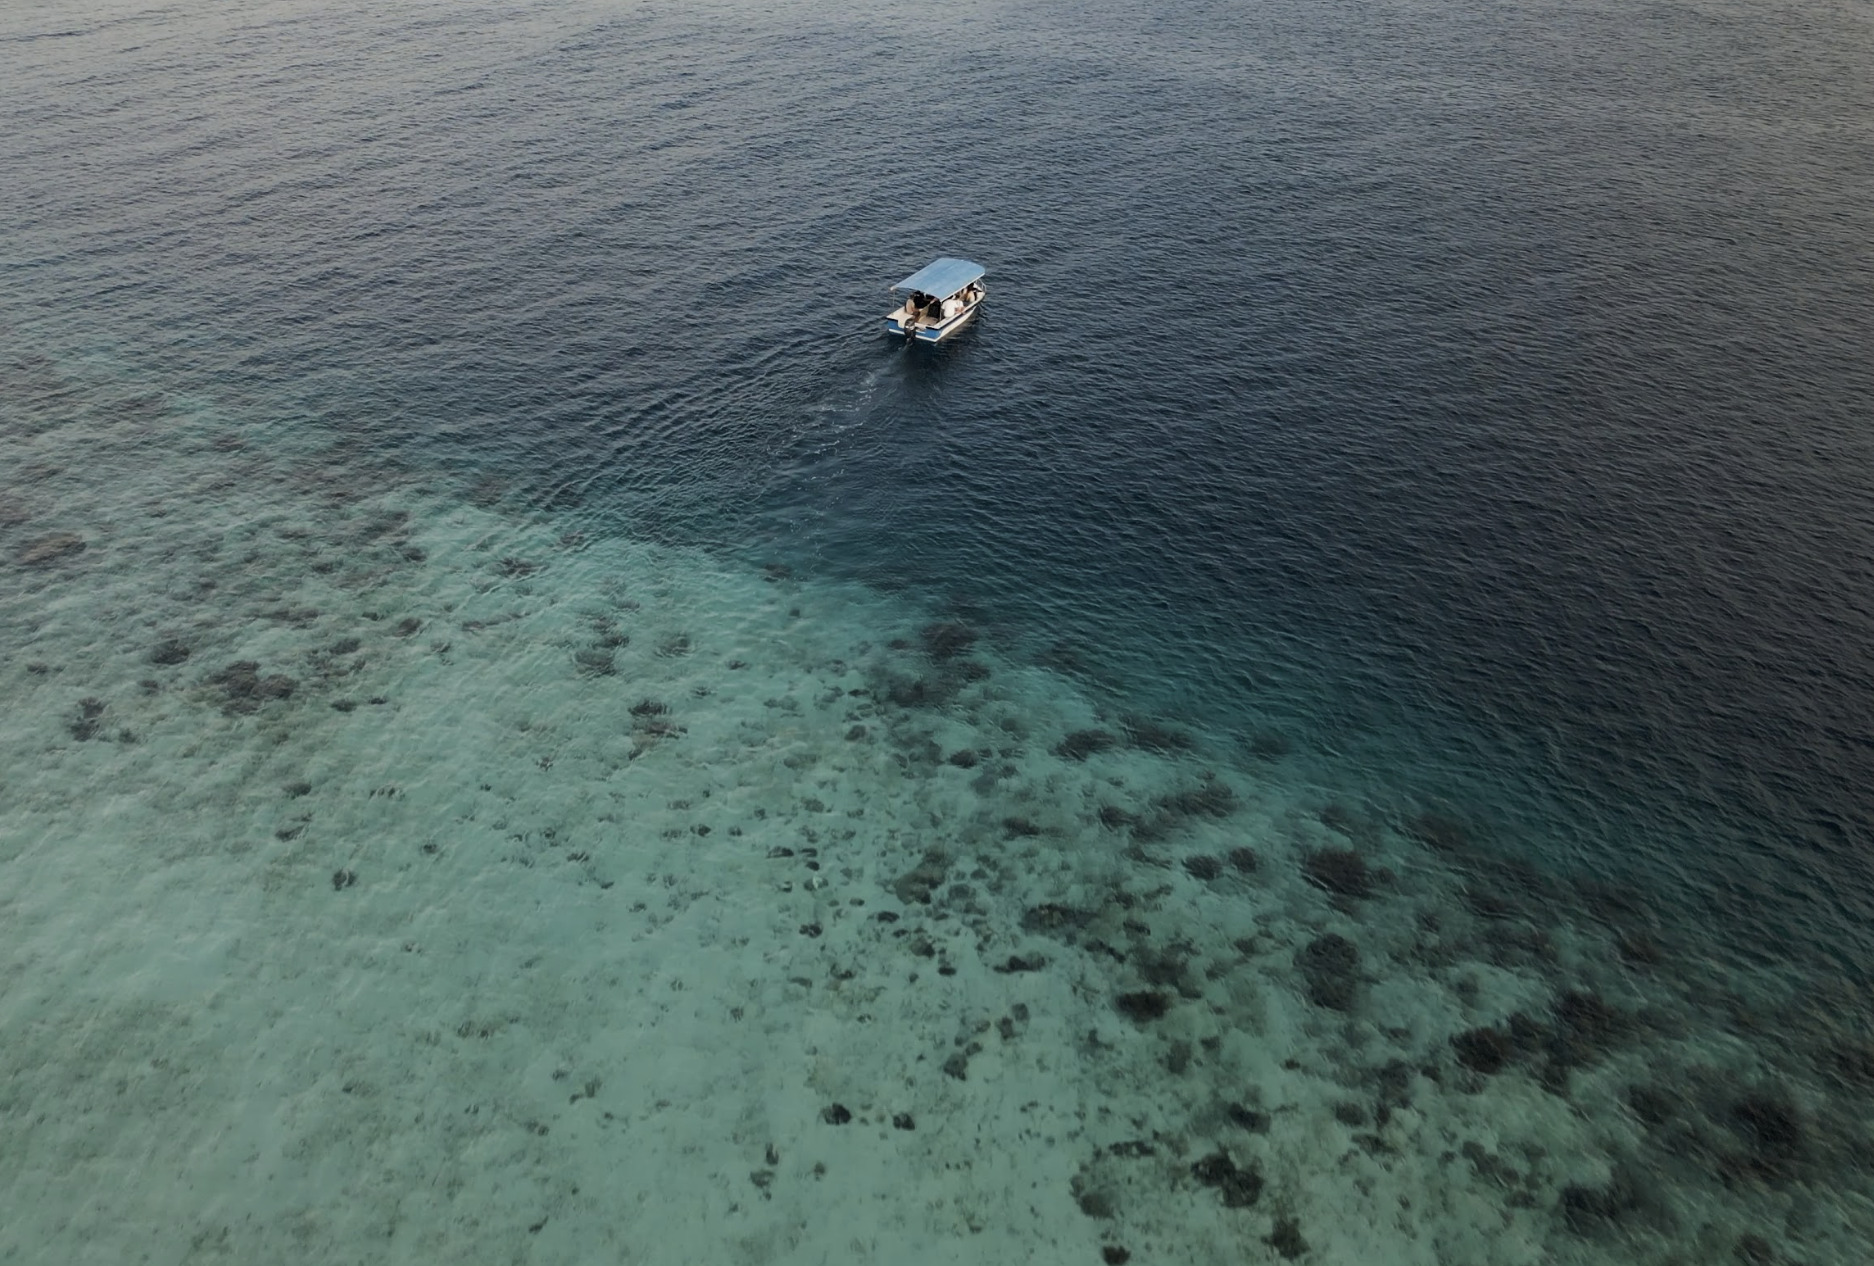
pixel 929 333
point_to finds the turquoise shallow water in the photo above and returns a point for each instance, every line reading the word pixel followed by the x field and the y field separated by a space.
pixel 1332 725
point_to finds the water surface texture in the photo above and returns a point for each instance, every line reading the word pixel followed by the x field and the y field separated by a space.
pixel 1335 724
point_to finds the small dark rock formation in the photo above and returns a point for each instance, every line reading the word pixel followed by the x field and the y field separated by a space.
pixel 965 759
pixel 1240 1188
pixel 1286 1239
pixel 345 646
pixel 1020 827
pixel 836 1114
pixel 1083 743
pixel 946 640
pixel 1484 1050
pixel 407 627
pixel 297 789
pixel 343 879
pixel 649 708
pixel 1243 860
pixel 903 1121
pixel 169 653
pixel 1330 967
pixel 1142 1005
pixel 1114 1255
pixel 1340 871
pixel 1017 963
pixel 1113 818
pixel 856 733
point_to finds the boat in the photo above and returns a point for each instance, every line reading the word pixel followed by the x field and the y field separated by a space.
pixel 940 299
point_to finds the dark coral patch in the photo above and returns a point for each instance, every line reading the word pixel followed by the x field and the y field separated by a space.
pixel 1213 799
pixel 1202 867
pixel 594 661
pixel 246 690
pixel 1330 967
pixel 168 654
pixel 916 885
pixel 1083 743
pixel 1247 1118
pixel 1439 833
pixel 947 640
pixel 1143 1004
pixel 1053 917
pixel 1270 745
pixel 1239 1187
pixel 1484 1050
pixel 1340 871
pixel 1770 1127
pixel 1584 1026
pixel 89 721
pixel 1153 737
pixel 51 549
pixel 1337 818
pixel 1286 1238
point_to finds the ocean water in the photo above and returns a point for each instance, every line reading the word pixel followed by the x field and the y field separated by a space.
pixel 1335 724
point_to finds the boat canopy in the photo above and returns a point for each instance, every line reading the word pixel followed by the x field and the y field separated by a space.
pixel 943 277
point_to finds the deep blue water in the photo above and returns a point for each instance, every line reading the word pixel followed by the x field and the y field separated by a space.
pixel 1476 396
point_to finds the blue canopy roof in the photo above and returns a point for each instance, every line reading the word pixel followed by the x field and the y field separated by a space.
pixel 943 277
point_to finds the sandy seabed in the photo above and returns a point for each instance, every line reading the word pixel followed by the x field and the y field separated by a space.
pixel 392 872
